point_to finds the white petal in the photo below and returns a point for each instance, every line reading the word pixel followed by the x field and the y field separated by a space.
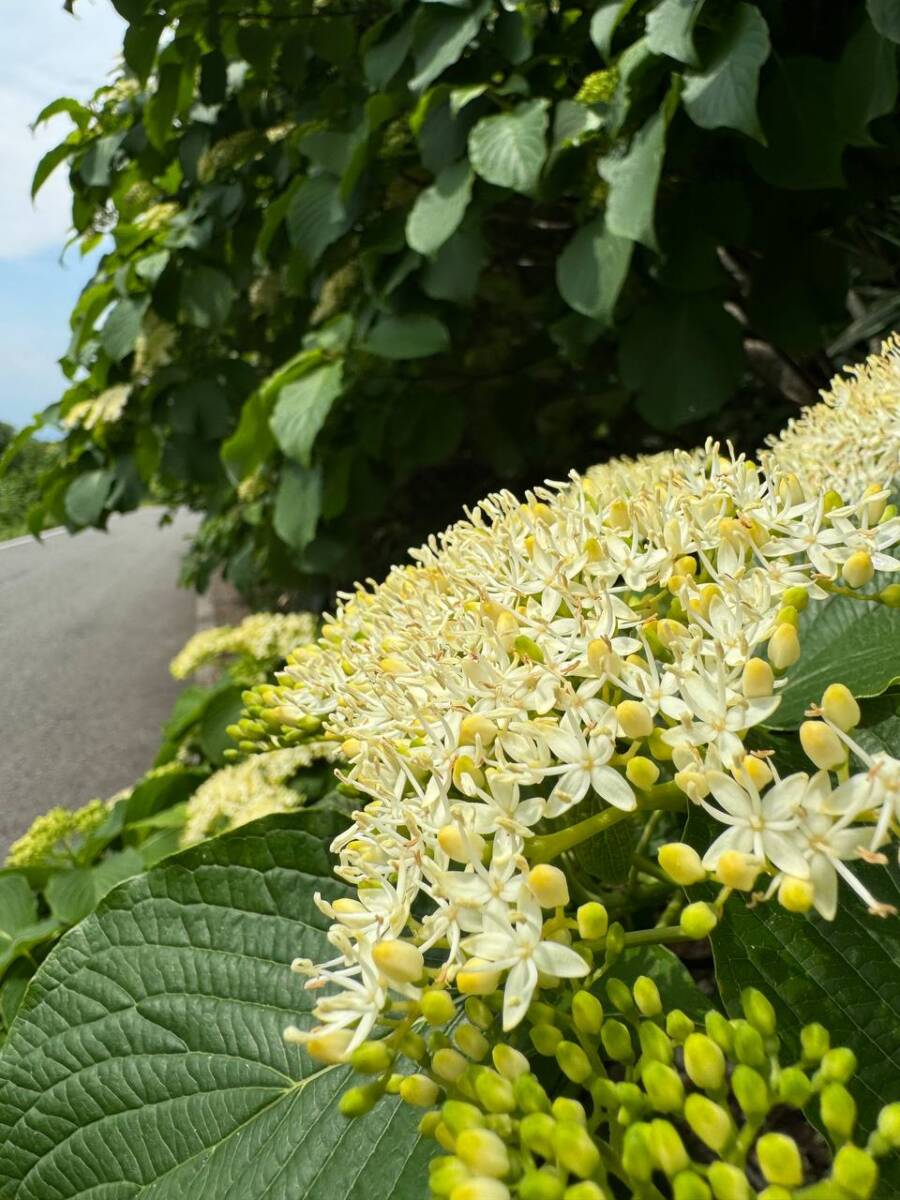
pixel 491 946
pixel 825 883
pixel 614 788
pixel 729 794
pixel 738 837
pixel 520 985
pixel 561 961
pixel 784 854
pixel 782 801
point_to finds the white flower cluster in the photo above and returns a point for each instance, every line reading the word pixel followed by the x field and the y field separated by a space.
pixel 616 636
pixel 260 636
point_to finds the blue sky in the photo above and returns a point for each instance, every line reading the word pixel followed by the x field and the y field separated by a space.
pixel 46 53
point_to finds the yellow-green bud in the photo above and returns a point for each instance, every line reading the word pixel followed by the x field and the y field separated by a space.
pixel 635 719
pixel 480 1187
pixel 822 745
pixel 474 728
pixel 438 1007
pixel 478 1012
pixel 719 1029
pixel 757 679
pixel 667 1147
pixel 495 1092
pixel 698 920
pixel 528 648
pixel 889 1125
pixel 779 1159
pixel 545 1039
pixel 838 1111
pixel 372 1058
pixel 449 1064
pixel 890 596
pixel 620 995
pixel 815 1042
pixel 797 597
pixel 759 1011
pixel 688 1186
pixel 511 1063
pixel 838 1065
pixel 784 647
pixel 858 570
pixel 641 772
pixel 419 1091
pixel 477 978
pixel 398 962
pixel 728 1182
pixel 750 1091
pixel 737 870
pixel 573 1062
pixel 471 1041
pixel 329 1047
pixel 663 1086
pixel 530 1096
pixel 681 863
pixel 839 706
pixel 788 615
pixel 655 1043
pixel 429 1122
pixel 357 1101
pixel 615 941
pixel 587 1013
pixel 856 1171
pixel 796 895
pixel 567 1109
pixel 637 1159
pixel 794 1087
pixel 710 1121
pixel 646 996
pixel 536 1132
pixel 483 1152
pixel 617 1041
pixel 593 921
pixel 679 1026
pixel 548 885
pixel 832 500
pixel 547 1183
pixel 413 1046
pixel 586 1190
pixel 457 1115
pixel 704 1062
pixel 445 1173
pixel 462 845
pixel 748 1045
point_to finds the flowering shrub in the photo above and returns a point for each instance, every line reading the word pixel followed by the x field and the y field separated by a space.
pixel 647 707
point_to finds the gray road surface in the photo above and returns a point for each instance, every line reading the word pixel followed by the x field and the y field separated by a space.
pixel 88 625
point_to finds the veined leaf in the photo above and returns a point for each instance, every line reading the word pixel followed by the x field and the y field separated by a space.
pixel 413 336
pixel 302 408
pixel 723 93
pixel 438 209
pixel 440 35
pixel 509 149
pixel 670 28
pixel 592 268
pixel 298 503
pixel 885 15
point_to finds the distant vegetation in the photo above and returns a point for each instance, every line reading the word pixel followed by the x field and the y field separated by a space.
pixel 19 487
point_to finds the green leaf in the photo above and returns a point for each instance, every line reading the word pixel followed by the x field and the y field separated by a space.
pixel 70 894
pixel 415 335
pixel 842 641
pixel 843 973
pixel 224 709
pixel 302 408
pixel 159 112
pixel 885 16
pixel 509 149
pixel 316 216
pixel 298 503
pixel 682 354
pixel 148 1057
pixel 879 727
pixel 676 985
pixel 207 295
pixel 592 268
pixel 454 271
pixel 94 167
pixel 723 93
pixel 86 496
pixel 122 326
pixel 252 441
pixel 439 209
pixel 440 35
pixel 670 29
pixel 866 83
pixel 48 164
pixel 798 111
pixel 381 62
pixel 633 178
pixel 64 104
pixel 605 21
pixel 20 929
pixel 139 46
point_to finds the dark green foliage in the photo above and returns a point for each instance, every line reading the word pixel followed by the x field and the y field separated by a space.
pixel 19 486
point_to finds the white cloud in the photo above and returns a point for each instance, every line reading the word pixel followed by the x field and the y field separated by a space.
pixel 47 53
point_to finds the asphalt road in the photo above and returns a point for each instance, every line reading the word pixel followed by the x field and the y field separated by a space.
pixel 88 626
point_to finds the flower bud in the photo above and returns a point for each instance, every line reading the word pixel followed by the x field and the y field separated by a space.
pixel 547 1183
pixel 784 647
pixel 461 845
pixel 483 1152
pixel 635 719
pixel 794 1087
pixel 814 1041
pixel 797 597
pixel 758 769
pixel 357 1101
pixel 586 1190
pixel 478 1012
pixel 329 1046
pixel 449 1064
pixel 636 1155
pixel 728 1182
pixel 620 995
pixel 681 863
pixel 615 942
pixel 587 1013
pixel 495 1092
pixel 530 1096
pixel 838 1065
pixel 419 1090
pixel 759 1011
pixel 438 1007
pixel 466 773
pixel 398 962
pixel 480 1188
pixel 737 870
pixel 788 615
pixel 477 979
pixel 698 920
pixel 428 1123
pixel 719 1029
pixel 457 1115
pixel 646 996
pixel 889 1124
pixel 856 1171
pixel 750 1091
pixel 832 500
pixel 796 895
pixel 548 885
pixel 641 772
pixel 573 1062
pixel 839 706
pixel 679 1026
pixel 748 1045
pixel 663 1086
pixel 779 1159
pixel 372 1058
pixel 528 648
pixel 704 1062
pixel 593 921
pixel 890 596
pixel 475 728
pixel 567 1109
pixel 689 1186
pixel 710 1121
pixel 617 1041
pixel 655 1045
pixel 511 1063
pixel 471 1041
pixel 822 745
pixel 536 1132
pixel 876 506
pixel 757 679
pixel 413 1046
pixel 858 570
pixel 658 747
pixel 838 1111
pixel 446 1173
pixel 667 1148
pixel 545 1039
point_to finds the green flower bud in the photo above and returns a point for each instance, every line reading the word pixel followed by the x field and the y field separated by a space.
pixel 631 1098
pixel 637 1158
pixel 667 1148
pixel 698 920
pixel 445 1173
pixel 655 1043
pixel 480 1187
pixel 794 1087
pixel 890 596
pixel 814 1041
pixel 586 1190
pixel 545 1184
pixel 779 1159
pixel 528 648
pixel 502 1124
pixel 681 863
pixel 478 1012
pixel 710 1121
pixel 617 1041
pixel 573 1062
pixel 750 1091
pixel 798 598
pixel 444 1137
pixel 856 1171
pixel 357 1101
pixel 620 995
pixel 838 1111
pixel 536 1133
pixel 457 1115
pixel 509 1062
pixel 663 1087
pixel 566 1109
pixel 838 1065
pixel 719 1029
pixel 429 1123
pixel 419 1091
pixel 436 1039
pixel 604 1094
pixel 393 1084
pixel 679 1026
pixel 587 1013
pixel 889 1125
pixel 545 1039
pixel 646 996
pixel 748 1045
pixel 758 1011
pixel 530 1096
pixel 438 1007
pixel 541 1014
pixel 449 1064
pixel 413 1046
pixel 471 1042
pixel 593 921
pixel 776 1192
pixel 615 942
pixel 728 1182
pixel 688 1186
pixel 372 1058
pixel 575 1149
pixel 704 1062
pixel 483 1152
pixel 495 1092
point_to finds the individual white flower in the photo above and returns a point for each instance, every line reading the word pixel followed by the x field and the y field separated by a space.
pixel 583 758
pixel 766 827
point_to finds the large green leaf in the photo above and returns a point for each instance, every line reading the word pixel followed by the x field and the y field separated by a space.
pixel 316 216
pixel 670 29
pixel 844 974
pixel 438 209
pixel 122 326
pixel 633 178
pixel 86 496
pixel 842 641
pixel 454 271
pixel 412 336
pixel 440 35
pixel 509 149
pixel 207 295
pixel 723 94
pixel 805 139
pixel 20 927
pixel 302 408
pixel 866 82
pixel 298 503
pixel 885 15
pixel 148 1059
pixel 592 268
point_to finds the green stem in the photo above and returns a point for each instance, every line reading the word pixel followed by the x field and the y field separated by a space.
pixel 548 846
pixel 647 866
pixel 836 590
pixel 650 937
